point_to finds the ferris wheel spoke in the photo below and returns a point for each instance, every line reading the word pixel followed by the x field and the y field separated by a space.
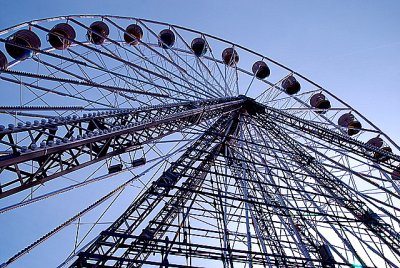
pixel 119 75
pixel 383 189
pixel 312 247
pixel 63 85
pixel 147 81
pixel 126 78
pixel 66 223
pixel 101 142
pixel 108 55
pixel 180 68
pixel 296 180
pixel 335 138
pixel 350 169
pixel 174 84
pixel 158 189
pixel 242 178
pixel 47 108
pixel 272 92
pixel 287 174
pixel 87 181
pixel 203 87
pixel 158 160
pixel 48 90
pixel 216 64
pixel 158 67
pixel 291 223
pixel 164 89
pixel 184 73
pixel 379 228
pixel 270 234
pixel 199 61
pixel 64 58
pixel 117 191
pixel 292 102
pixel 303 226
pixel 81 83
pixel 337 154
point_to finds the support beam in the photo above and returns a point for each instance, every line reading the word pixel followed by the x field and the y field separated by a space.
pixel 334 186
pixel 71 144
pixel 107 246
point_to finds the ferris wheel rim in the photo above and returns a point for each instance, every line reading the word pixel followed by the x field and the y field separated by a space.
pixel 245 72
pixel 233 44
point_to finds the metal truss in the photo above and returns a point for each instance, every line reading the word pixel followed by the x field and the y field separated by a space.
pixel 119 235
pixel 267 211
pixel 230 167
pixel 342 195
pixel 333 137
pixel 69 144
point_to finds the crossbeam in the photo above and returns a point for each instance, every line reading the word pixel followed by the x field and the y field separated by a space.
pixel 70 144
pixel 128 222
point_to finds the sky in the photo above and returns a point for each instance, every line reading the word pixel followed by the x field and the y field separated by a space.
pixel 349 47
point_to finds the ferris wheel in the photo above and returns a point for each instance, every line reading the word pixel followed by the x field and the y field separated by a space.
pixel 234 159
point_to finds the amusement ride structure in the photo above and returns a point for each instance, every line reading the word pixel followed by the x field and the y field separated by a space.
pixel 241 161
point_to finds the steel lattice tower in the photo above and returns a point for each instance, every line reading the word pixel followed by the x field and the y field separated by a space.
pixel 252 167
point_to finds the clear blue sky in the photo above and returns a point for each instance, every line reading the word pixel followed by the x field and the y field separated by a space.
pixel 350 47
